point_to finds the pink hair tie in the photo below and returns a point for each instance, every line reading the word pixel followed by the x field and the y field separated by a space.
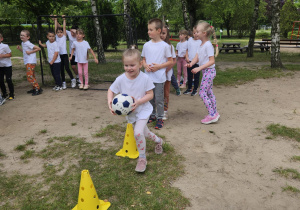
pixel 211 26
pixel 217 45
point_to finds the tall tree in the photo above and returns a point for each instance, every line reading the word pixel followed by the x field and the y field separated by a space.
pixel 253 29
pixel 288 14
pixel 187 24
pixel 99 43
pixel 275 33
pixel 128 31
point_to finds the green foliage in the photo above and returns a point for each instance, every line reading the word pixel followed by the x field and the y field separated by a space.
pixel 281 130
pixel 288 14
pixel 262 34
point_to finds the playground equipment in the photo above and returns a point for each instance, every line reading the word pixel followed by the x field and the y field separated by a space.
pixel 129 146
pixel 88 198
pixel 297 29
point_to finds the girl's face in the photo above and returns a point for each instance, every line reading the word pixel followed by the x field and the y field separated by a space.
pixel 51 37
pixel 163 34
pixel 59 33
pixel 132 66
pixel 182 37
pixel 195 34
pixel 79 36
pixel 200 34
pixel 73 32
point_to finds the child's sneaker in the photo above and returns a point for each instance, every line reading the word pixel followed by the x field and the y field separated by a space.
pixel 81 86
pixel 64 85
pixel 151 119
pixel 194 93
pixel 86 87
pixel 159 124
pixel 178 92
pixel 40 91
pixel 54 88
pixel 73 83
pixel 165 117
pixel 58 88
pixel 11 98
pixel 35 92
pixel 210 119
pixel 2 100
pixel 183 86
pixel 188 91
pixel 158 147
pixel 30 91
pixel 141 165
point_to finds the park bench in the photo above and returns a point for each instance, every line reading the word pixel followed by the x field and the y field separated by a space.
pixel 231 47
pixel 285 42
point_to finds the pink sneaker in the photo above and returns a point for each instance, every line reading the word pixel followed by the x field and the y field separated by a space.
pixel 158 147
pixel 210 119
pixel 141 165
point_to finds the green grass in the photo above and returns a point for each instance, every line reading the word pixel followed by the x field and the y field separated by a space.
pixel 43 131
pixel 2 154
pixel 114 177
pixel 288 173
pixel 290 189
pixel 296 158
pixel 281 130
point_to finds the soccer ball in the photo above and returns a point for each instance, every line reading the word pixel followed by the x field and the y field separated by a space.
pixel 121 104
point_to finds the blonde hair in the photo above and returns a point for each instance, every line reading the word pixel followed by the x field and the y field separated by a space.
pixel 26 32
pixel 210 30
pixel 132 51
pixel 184 32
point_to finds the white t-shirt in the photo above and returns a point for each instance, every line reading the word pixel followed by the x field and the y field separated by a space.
pixel 170 73
pixel 52 48
pixel 81 51
pixel 204 52
pixel 136 88
pixel 159 53
pixel 62 44
pixel 4 49
pixel 28 46
pixel 192 47
pixel 71 40
pixel 182 47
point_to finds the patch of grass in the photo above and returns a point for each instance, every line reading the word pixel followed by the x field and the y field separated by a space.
pixel 2 154
pixel 288 173
pixel 291 189
pixel 30 142
pixel 281 130
pixel 43 131
pixel 20 147
pixel 114 177
pixel 296 158
pixel 27 154
pixel 73 124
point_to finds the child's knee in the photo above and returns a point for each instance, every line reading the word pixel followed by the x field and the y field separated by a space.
pixel 138 135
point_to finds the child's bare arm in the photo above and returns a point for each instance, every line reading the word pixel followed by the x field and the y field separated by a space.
pixel 54 58
pixel 155 67
pixel 144 99
pixel 41 44
pixel 146 66
pixel 70 58
pixel 7 55
pixel 110 96
pixel 56 24
pixel 194 61
pixel 64 25
pixel 19 48
pixel 35 49
pixel 91 51
pixel 187 57
pixel 204 66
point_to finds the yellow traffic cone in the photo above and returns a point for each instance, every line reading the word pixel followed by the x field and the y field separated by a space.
pixel 88 198
pixel 129 146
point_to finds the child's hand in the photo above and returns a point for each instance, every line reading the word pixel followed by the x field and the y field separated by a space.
pixel 70 58
pixel 51 63
pixel 196 70
pixel 148 68
pixel 28 52
pixel 135 104
pixel 110 108
pixel 63 17
pixel 96 60
pixel 155 67
pixel 40 43
pixel 188 65
pixel 18 47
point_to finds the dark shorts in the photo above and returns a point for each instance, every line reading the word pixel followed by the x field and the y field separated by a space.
pixel 73 62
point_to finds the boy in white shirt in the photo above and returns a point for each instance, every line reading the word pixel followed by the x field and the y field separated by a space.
pixel 53 59
pixel 156 58
pixel 5 70
pixel 29 54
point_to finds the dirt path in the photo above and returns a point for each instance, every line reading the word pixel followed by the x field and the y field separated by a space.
pixel 228 165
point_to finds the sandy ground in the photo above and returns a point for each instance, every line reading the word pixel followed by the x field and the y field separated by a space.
pixel 228 165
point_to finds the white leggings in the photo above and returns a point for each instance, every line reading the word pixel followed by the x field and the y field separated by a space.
pixel 141 131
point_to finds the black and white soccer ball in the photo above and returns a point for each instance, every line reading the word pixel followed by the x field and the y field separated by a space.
pixel 121 104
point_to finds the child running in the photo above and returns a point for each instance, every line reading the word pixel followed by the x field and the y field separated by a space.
pixel 137 84
pixel 165 36
pixel 6 70
pixel 205 58
pixel 193 44
pixel 53 59
pixel 181 48
pixel 61 39
pixel 82 48
pixel 157 58
pixel 29 54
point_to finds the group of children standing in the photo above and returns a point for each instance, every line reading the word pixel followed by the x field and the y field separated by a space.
pixel 152 87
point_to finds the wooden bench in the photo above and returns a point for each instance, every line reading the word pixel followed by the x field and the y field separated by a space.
pixel 285 43
pixel 234 49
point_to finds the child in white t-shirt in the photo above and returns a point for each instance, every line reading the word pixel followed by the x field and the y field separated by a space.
pixel 138 85
pixel 61 39
pixel 181 48
pixel 82 48
pixel 53 59
pixel 29 54
pixel 157 57
pixel 6 70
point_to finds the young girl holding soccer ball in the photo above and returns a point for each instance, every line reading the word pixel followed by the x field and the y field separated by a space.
pixel 137 84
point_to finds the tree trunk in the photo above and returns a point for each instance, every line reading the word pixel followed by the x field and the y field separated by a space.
pixel 128 31
pixel 253 29
pixel 100 49
pixel 275 33
pixel 185 15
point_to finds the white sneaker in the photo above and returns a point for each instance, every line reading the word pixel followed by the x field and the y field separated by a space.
pixel 55 87
pixel 73 83
pixel 58 88
pixel 2 100
pixel 165 117
pixel 64 85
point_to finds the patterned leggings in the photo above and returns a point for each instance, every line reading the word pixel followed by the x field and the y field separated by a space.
pixel 140 132
pixel 206 92
pixel 31 76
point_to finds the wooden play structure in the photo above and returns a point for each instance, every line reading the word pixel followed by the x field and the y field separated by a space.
pixel 296 29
